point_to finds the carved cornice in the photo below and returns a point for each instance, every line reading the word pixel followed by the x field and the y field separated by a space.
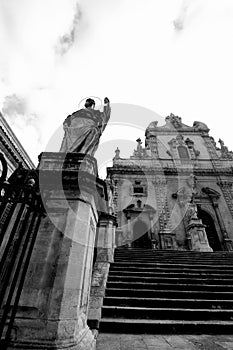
pixel 144 171
pixel 12 144
pixel 71 174
pixel 105 218
pixel 8 150
pixel 68 161
pixel 131 209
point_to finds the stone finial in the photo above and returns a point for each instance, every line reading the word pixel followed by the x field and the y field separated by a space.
pixel 139 146
pixel 117 155
pixel 138 153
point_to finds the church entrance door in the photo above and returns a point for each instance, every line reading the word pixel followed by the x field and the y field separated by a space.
pixel 211 232
pixel 141 237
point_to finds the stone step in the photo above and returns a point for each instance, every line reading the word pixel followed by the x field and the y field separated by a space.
pixel 170 251
pixel 173 256
pixel 171 294
pixel 173 280
pixel 151 291
pixel 167 302
pixel 178 261
pixel 161 252
pixel 166 313
pixel 180 269
pixel 119 272
pixel 145 256
pixel 169 326
pixel 126 264
pixel 180 286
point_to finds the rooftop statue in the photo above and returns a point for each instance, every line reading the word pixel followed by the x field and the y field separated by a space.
pixel 84 128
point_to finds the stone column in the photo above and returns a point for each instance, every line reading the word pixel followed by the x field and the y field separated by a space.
pixel 53 307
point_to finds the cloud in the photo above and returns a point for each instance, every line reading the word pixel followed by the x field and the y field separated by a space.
pixel 67 40
pixel 13 105
pixel 188 11
pixel 127 50
pixel 23 123
pixel 180 20
pixel 29 31
pixel 29 67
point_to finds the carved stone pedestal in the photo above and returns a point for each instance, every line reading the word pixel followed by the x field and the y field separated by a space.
pixel 105 255
pixel 53 308
pixel 197 236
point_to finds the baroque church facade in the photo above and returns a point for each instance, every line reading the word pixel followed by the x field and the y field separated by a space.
pixel 176 192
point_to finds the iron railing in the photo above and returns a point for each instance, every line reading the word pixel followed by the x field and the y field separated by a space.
pixel 21 211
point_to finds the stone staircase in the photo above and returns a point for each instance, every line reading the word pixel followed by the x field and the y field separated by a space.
pixel 158 291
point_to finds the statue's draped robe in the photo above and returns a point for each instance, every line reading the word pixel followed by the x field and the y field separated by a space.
pixel 83 130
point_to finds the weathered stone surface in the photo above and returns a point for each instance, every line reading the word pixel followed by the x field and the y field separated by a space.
pixel 54 302
pixel 163 342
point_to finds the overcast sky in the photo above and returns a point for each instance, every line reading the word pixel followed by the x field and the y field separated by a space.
pixel 165 55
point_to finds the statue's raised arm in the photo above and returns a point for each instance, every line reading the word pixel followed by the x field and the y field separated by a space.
pixel 84 128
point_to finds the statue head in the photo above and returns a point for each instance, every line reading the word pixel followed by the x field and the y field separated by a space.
pixel 90 103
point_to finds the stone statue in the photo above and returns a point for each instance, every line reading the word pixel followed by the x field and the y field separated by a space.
pixel 192 212
pixel 225 153
pixel 192 184
pixel 223 147
pixel 84 128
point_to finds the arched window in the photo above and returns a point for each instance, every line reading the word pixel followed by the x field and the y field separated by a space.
pixel 183 152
